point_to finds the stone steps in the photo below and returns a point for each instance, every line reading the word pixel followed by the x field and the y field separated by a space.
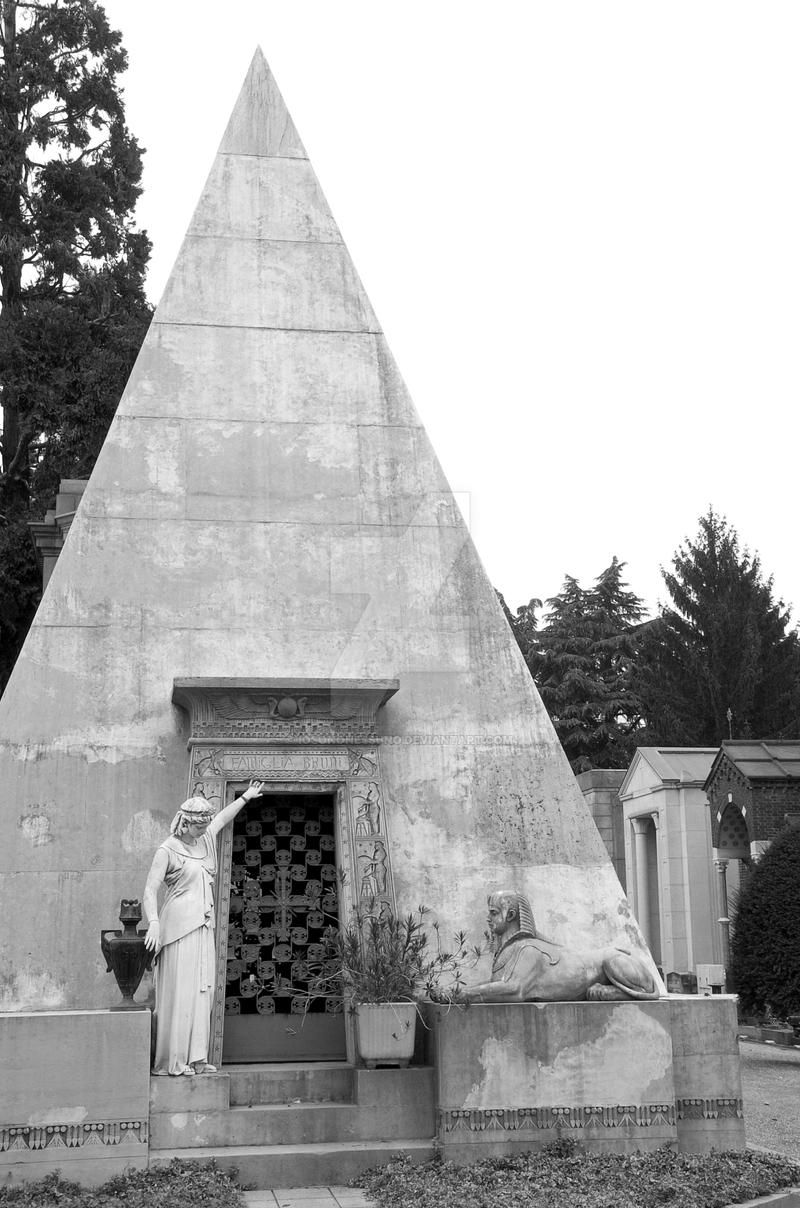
pixel 322 1082
pixel 289 1124
pixel 261 1166
pixel 294 1124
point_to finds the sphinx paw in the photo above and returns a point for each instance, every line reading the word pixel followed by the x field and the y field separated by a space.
pixel 600 993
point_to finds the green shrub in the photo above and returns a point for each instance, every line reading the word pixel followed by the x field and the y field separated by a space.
pixel 560 1177
pixel 381 957
pixel 765 948
pixel 179 1185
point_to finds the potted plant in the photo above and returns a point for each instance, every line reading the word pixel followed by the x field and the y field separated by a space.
pixel 383 965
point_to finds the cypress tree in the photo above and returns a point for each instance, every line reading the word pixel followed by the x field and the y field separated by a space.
pixel 765 945
pixel 73 311
pixel 724 644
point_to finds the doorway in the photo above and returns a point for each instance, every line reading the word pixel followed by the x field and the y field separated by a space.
pixel 284 893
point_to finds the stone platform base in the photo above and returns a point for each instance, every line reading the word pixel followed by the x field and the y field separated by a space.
pixel 294 1124
pixel 614 1076
pixel 74 1094
pixel 619 1076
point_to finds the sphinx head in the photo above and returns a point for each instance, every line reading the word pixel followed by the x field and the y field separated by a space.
pixel 510 912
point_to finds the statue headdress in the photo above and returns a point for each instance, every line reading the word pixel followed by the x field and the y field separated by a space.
pixel 194 809
pixel 525 914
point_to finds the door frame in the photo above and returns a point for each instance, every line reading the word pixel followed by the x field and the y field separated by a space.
pixel 300 736
pixel 219 766
pixel 222 893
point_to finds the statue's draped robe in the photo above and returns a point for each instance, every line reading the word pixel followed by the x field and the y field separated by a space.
pixel 184 978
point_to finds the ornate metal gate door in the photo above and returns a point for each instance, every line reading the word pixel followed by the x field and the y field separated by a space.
pixel 283 895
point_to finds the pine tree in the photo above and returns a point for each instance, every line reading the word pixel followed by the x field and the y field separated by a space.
pixel 765 946
pixel 584 664
pixel 725 644
pixel 525 627
pixel 73 311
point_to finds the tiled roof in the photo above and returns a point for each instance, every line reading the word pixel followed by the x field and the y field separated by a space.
pixel 680 763
pixel 765 760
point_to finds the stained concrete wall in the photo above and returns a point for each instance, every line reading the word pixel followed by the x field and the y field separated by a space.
pixel 267 504
pixel 616 1076
pixel 74 1094
pixel 600 788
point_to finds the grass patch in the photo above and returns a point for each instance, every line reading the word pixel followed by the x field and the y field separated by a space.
pixel 560 1176
pixel 179 1185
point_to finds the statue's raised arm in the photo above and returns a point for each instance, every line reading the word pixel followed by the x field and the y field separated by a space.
pixel 528 968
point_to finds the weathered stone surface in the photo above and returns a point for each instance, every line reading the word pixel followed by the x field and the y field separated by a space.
pixel 232 283
pixel 75 1093
pixel 708 1084
pixel 265 198
pixel 260 123
pixel 290 376
pixel 511 1076
pixel 206 1093
pixel 616 1076
pixel 267 504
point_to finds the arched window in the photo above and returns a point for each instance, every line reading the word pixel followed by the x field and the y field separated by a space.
pixel 733 842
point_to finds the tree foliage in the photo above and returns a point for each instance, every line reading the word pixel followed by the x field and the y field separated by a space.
pixel 73 311
pixel 612 681
pixel 724 644
pixel 583 660
pixel 525 627
pixel 765 946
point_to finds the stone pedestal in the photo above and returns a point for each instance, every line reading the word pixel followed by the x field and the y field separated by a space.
pixel 708 1084
pixel 75 1094
pixel 618 1076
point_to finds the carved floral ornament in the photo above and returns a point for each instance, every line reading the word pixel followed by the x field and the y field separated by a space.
pixel 72 1136
pixel 538 1119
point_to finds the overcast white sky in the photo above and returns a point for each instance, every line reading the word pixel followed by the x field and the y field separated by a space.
pixel 579 224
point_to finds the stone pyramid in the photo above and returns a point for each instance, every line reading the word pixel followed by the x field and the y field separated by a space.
pixel 267 504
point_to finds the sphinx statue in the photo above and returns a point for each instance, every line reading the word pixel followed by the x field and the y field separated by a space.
pixel 529 968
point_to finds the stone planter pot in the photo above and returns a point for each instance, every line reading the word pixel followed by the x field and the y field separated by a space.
pixel 385 1032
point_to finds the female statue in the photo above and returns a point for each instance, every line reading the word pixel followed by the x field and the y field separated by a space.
pixel 182 935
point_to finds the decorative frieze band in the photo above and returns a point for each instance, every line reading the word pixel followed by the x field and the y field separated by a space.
pixel 518 1119
pixel 71 1136
pixel 283 710
pixel 710 1109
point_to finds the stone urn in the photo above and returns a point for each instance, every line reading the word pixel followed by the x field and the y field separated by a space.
pixel 125 953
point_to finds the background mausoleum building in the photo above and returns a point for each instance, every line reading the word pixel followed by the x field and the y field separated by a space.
pixel 681 826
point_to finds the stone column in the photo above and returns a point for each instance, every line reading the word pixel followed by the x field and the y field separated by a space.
pixel 724 921
pixel 642 878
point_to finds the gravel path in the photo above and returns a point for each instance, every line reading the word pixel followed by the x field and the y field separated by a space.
pixel 771 1091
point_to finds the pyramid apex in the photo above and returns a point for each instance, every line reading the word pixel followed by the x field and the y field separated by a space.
pixel 260 123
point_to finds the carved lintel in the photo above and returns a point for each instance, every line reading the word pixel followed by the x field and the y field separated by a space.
pixel 282 710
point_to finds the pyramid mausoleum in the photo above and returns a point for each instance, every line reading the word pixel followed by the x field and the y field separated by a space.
pixel 268 577
pixel 267 507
